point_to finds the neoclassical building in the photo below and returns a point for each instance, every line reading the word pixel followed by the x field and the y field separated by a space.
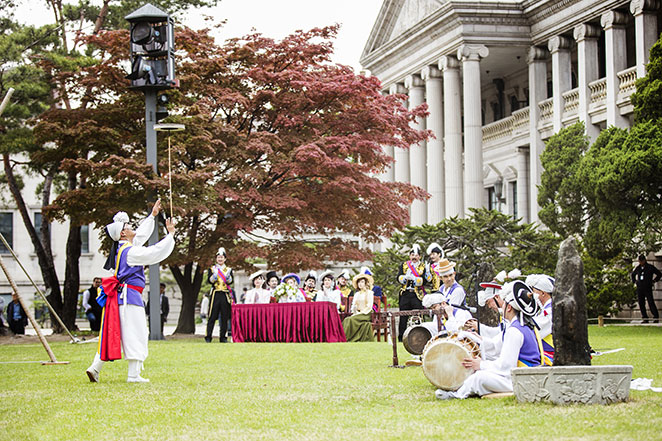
pixel 499 78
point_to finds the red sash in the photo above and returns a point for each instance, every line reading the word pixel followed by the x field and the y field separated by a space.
pixel 413 269
pixel 110 337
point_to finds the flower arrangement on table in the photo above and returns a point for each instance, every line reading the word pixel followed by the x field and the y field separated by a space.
pixel 286 291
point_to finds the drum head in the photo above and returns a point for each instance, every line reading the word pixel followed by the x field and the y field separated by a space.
pixel 442 364
pixel 415 338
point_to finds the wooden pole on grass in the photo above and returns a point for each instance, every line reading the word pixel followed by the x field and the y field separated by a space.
pixel 34 323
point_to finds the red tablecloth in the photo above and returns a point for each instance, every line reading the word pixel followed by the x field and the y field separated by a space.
pixel 287 322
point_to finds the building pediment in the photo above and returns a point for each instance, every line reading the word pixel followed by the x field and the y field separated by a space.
pixel 396 17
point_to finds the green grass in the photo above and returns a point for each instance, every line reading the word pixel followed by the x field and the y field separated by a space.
pixel 202 391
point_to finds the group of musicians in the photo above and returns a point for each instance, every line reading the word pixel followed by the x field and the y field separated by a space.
pixel 522 338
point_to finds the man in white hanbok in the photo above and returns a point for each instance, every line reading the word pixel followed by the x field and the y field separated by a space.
pixel 132 258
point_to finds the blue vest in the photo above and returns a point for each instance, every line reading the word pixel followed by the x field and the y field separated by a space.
pixel 529 353
pixel 130 275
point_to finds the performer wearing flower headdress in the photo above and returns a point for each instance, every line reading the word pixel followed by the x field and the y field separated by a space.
pixel 432 274
pixel 124 310
pixel 411 276
pixel 521 347
pixel 222 298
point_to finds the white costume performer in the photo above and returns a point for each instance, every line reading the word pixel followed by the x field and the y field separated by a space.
pixel 520 348
pixel 454 321
pixel 133 257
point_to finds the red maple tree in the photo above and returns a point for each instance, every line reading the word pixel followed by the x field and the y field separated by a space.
pixel 280 159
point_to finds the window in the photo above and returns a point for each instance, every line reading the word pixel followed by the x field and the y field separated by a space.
pixel 37 226
pixel 7 230
pixel 491 199
pixel 84 239
pixel 513 192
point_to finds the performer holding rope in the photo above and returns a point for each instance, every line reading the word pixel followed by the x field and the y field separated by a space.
pixel 123 318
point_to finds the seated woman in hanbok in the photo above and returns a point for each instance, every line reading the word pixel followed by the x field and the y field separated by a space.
pixel 258 294
pixel 358 326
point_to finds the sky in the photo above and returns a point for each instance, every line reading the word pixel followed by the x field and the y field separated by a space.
pixel 272 18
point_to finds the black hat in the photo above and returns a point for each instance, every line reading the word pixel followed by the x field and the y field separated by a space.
pixel 272 274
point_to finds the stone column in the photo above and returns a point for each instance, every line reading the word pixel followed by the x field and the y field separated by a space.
pixel 473 124
pixel 522 184
pixel 435 147
pixel 587 65
pixel 537 92
pixel 559 47
pixel 453 178
pixel 417 161
pixel 389 173
pixel 613 23
pixel 645 28
pixel 401 156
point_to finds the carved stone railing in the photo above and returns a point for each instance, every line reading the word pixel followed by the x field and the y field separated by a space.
pixel 626 81
pixel 572 384
pixel 598 90
pixel 546 109
pixel 502 128
pixel 571 100
pixel 521 120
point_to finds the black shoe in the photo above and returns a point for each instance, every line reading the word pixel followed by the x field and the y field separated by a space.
pixel 223 340
pixel 644 320
pixel 208 339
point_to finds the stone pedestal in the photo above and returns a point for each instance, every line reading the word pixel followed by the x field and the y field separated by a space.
pixel 572 384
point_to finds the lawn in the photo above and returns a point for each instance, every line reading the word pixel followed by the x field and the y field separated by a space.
pixel 335 391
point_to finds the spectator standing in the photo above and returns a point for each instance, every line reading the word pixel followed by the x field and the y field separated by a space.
pixel 90 305
pixel 16 316
pixel 644 277
pixel 164 303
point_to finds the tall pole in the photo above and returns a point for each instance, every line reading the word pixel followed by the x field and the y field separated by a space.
pixel 154 279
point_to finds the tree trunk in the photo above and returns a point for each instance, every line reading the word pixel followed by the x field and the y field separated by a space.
pixel 72 269
pixel 46 264
pixel 190 288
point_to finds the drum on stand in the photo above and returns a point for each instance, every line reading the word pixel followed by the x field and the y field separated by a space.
pixel 442 361
pixel 416 336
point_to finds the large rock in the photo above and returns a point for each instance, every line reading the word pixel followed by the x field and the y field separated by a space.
pixel 570 326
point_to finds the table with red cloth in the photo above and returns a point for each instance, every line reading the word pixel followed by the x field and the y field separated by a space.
pixel 287 322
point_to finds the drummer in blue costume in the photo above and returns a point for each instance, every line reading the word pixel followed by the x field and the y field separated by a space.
pixel 127 258
pixel 521 347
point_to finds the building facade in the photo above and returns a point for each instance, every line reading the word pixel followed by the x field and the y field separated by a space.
pixel 500 78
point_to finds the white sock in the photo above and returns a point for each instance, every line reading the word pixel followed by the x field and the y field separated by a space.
pixel 134 368
pixel 97 364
